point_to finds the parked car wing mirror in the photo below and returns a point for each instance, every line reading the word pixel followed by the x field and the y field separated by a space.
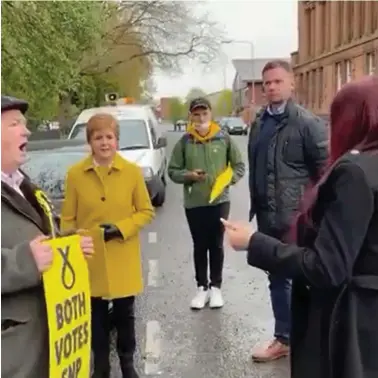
pixel 162 142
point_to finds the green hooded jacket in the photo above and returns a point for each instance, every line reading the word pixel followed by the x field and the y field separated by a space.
pixel 212 154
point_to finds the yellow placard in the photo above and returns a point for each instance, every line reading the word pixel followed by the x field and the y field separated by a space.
pixel 68 304
pixel 220 184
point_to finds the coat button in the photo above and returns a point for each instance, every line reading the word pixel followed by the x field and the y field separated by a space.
pixel 102 199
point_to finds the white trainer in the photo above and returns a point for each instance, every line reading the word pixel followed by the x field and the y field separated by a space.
pixel 201 299
pixel 216 298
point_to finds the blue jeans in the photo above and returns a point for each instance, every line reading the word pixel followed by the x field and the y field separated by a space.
pixel 280 294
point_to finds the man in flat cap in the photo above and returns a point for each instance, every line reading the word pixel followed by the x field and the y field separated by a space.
pixel 204 152
pixel 24 257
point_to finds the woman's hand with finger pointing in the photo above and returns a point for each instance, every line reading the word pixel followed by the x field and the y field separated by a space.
pixel 238 234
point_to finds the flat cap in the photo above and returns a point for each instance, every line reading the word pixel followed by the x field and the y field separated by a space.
pixel 12 103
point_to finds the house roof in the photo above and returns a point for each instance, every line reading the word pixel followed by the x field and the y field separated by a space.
pixel 250 69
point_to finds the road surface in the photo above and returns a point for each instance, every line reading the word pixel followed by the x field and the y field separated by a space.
pixel 175 342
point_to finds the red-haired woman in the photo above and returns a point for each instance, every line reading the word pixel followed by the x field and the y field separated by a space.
pixel 334 263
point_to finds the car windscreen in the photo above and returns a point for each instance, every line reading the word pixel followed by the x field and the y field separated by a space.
pixel 47 169
pixel 132 134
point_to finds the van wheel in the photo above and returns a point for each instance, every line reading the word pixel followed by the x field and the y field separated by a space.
pixel 159 199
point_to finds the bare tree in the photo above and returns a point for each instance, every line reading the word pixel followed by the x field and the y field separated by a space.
pixel 166 32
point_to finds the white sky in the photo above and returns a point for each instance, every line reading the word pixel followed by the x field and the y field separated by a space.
pixel 271 25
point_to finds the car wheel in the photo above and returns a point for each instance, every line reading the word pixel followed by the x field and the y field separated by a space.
pixel 159 199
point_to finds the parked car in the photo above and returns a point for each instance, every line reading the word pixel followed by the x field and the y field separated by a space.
pixel 234 125
pixel 140 141
pixel 47 167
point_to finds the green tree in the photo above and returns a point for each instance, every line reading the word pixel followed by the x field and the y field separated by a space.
pixel 177 109
pixel 223 106
pixel 45 48
pixel 42 44
pixel 194 93
pixel 63 56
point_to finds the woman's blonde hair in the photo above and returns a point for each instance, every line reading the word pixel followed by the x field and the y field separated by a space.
pixel 102 121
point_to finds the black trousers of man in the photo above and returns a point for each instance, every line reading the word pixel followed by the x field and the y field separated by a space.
pixel 208 233
pixel 124 321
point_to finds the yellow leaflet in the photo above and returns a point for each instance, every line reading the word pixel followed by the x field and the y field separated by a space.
pixel 220 184
pixel 68 305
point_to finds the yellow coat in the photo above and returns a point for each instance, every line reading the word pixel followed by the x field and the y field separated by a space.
pixel 119 197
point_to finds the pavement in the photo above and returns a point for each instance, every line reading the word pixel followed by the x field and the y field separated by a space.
pixel 174 341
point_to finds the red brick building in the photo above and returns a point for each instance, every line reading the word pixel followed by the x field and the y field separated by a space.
pixel 338 43
pixel 164 107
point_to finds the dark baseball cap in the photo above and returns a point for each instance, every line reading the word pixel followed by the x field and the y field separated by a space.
pixel 12 103
pixel 199 102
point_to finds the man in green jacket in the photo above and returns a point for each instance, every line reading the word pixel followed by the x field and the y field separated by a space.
pixel 197 159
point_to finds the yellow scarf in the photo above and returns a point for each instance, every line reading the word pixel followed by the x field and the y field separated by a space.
pixel 213 130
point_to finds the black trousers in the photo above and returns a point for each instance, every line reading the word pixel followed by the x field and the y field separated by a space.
pixel 124 321
pixel 207 233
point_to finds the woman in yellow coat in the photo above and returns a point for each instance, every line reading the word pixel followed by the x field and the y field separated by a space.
pixel 104 190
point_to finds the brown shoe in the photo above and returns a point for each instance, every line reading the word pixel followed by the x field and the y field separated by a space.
pixel 271 351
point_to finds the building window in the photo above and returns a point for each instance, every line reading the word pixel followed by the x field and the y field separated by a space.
pixel 374 15
pixel 370 63
pixel 339 25
pixel 301 94
pixel 349 5
pixel 339 76
pixel 323 17
pixel 308 33
pixel 307 86
pixel 348 71
pixel 362 17
pixel 321 89
pixel 314 96
pixel 313 32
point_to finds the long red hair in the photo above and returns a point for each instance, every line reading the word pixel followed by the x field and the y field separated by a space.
pixel 354 125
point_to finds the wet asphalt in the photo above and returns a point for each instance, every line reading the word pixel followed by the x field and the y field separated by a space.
pixel 175 342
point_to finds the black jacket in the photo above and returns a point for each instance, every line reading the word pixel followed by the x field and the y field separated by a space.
pixel 335 275
pixel 297 153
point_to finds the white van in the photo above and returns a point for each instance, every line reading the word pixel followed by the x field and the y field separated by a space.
pixel 140 141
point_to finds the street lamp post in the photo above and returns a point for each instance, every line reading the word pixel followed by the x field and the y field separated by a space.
pixel 252 54
pixel 225 57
